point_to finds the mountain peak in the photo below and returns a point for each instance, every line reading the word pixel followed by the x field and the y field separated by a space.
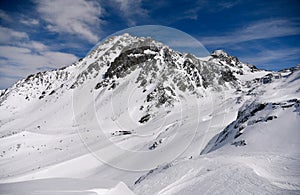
pixel 122 42
pixel 219 53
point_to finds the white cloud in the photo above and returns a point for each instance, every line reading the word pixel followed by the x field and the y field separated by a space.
pixel 33 45
pixel 17 63
pixel 25 57
pixel 8 35
pixel 30 22
pixel 77 17
pixel 20 56
pixel 260 30
pixel 208 6
pixel 4 16
pixel 226 4
pixel 131 10
pixel 267 56
pixel 7 81
pixel 20 61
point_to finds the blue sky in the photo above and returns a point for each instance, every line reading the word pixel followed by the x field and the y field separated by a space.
pixel 40 35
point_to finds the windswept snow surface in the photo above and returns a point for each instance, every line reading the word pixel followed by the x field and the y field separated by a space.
pixel 136 117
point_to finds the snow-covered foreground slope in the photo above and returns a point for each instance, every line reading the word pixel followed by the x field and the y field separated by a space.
pixel 136 117
pixel 258 153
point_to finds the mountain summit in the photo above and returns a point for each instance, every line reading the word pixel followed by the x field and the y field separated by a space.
pixel 145 119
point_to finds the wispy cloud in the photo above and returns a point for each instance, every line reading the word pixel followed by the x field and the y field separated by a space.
pixel 20 56
pixel 20 61
pixel 33 45
pixel 7 35
pixel 4 16
pixel 30 21
pixel 260 30
pixel 266 57
pixel 76 17
pixel 7 81
pixel 208 6
pixel 130 10
pixel 18 18
pixel 226 4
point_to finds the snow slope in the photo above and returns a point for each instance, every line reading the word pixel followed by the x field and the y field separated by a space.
pixel 136 117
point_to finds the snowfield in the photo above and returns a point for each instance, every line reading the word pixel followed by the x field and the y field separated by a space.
pixel 136 117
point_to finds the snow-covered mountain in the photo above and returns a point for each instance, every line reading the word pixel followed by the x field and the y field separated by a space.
pixel 136 117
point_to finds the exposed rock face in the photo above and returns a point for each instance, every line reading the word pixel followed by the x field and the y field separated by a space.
pixel 127 60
